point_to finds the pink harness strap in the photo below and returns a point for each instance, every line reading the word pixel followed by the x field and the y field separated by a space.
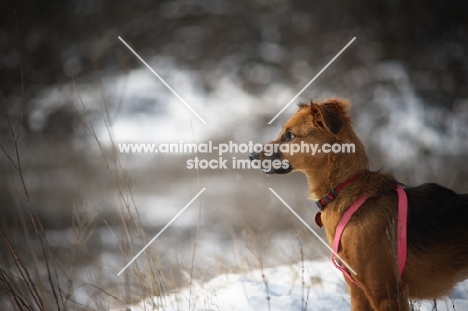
pixel 401 231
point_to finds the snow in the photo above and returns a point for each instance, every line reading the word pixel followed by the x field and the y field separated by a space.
pixel 141 109
pixel 401 125
pixel 324 290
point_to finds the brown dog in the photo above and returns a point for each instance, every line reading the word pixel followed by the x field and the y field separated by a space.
pixel 437 230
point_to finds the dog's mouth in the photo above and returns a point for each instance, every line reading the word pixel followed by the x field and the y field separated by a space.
pixel 281 170
pixel 273 165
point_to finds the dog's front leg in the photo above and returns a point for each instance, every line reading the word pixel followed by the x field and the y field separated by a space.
pixel 389 297
pixel 359 301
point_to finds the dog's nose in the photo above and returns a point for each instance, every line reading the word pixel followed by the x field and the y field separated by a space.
pixel 253 156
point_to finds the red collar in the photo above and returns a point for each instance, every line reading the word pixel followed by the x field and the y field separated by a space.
pixel 335 191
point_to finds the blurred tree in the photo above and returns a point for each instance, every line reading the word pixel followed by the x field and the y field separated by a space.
pixel 260 41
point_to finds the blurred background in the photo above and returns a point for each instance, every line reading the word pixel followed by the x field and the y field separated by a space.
pixel 74 210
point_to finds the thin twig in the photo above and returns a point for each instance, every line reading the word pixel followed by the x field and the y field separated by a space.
pixel 197 229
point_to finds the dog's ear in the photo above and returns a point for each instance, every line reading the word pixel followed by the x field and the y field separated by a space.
pixel 331 114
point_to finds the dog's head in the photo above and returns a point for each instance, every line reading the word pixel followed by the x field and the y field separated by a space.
pixel 317 138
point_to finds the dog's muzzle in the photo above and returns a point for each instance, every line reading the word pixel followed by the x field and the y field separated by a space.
pixel 254 156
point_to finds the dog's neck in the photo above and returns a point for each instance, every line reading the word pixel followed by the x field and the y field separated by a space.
pixel 320 189
pixel 336 171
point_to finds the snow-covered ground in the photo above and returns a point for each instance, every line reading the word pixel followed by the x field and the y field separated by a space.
pixel 313 285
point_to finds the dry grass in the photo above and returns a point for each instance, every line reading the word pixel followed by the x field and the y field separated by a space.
pixel 38 272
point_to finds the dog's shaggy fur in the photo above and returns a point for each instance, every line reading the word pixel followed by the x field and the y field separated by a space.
pixel 437 254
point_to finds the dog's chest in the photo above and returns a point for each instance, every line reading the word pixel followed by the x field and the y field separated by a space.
pixel 330 221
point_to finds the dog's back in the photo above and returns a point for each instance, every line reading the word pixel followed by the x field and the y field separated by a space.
pixel 437 216
pixel 437 235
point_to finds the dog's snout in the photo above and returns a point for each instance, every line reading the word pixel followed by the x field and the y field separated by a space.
pixel 254 156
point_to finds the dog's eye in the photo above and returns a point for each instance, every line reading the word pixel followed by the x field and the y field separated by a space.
pixel 288 136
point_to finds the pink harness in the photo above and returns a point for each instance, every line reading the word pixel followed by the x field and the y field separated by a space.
pixel 401 231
